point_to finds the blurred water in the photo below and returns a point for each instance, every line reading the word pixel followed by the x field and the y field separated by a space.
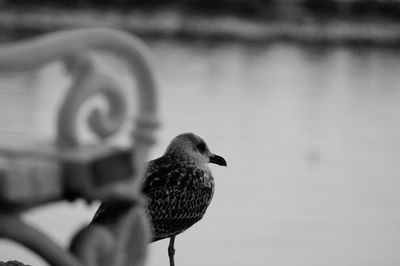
pixel 312 140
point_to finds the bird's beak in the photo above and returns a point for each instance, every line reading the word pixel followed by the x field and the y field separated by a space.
pixel 217 160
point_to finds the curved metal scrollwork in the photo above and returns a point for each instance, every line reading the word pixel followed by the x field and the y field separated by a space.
pixel 87 82
pixel 123 240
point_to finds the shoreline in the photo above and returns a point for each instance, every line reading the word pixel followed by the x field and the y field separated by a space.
pixel 173 23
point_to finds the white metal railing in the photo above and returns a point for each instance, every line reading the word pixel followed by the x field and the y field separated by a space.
pixel 67 169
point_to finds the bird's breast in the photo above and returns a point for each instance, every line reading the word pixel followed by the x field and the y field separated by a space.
pixel 207 180
pixel 206 177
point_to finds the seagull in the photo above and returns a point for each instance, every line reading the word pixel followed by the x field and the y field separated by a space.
pixel 178 188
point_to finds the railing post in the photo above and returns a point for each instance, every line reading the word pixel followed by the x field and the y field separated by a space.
pixel 71 170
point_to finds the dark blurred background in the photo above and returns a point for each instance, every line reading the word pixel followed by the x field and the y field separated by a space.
pixel 332 21
pixel 264 9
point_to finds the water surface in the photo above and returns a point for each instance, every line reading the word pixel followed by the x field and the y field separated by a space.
pixel 311 137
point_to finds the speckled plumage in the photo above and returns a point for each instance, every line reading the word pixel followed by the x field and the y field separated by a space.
pixel 178 188
pixel 178 193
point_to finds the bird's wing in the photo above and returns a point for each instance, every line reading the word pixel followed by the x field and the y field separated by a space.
pixel 110 211
pixel 176 196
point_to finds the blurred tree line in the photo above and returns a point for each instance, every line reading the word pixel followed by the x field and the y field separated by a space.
pixel 386 9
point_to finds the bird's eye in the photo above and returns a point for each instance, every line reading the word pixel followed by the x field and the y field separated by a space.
pixel 201 147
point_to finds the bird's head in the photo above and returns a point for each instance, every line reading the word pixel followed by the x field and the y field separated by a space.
pixel 192 146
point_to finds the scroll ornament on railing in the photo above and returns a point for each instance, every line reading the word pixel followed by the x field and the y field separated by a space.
pixel 73 170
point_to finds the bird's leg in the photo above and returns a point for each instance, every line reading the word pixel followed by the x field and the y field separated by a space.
pixel 171 251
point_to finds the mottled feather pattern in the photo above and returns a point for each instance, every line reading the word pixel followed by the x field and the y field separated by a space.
pixel 178 194
pixel 178 188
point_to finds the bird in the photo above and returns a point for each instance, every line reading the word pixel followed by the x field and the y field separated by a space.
pixel 178 188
